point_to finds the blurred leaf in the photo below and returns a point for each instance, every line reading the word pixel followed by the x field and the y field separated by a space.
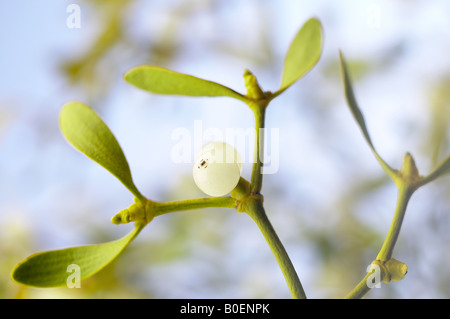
pixel 303 54
pixel 163 81
pixel 87 132
pixel 357 114
pixel 85 65
pixel 442 169
pixel 436 140
pixel 360 68
pixel 86 68
pixel 50 268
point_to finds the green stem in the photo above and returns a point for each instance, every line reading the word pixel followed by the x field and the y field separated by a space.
pixel 197 203
pixel 255 210
pixel 361 289
pixel 259 110
pixel 404 194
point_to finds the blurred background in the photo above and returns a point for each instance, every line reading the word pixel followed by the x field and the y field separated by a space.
pixel 330 202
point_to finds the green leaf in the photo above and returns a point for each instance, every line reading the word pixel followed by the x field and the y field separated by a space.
pixel 87 132
pixel 53 268
pixel 442 169
pixel 163 81
pixel 357 114
pixel 303 54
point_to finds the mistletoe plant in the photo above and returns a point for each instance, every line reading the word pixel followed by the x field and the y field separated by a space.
pixel 86 131
pixel 407 180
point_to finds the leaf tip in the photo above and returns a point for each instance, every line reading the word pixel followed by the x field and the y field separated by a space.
pixel 304 52
pixel 20 274
pixel 128 74
pixel 13 274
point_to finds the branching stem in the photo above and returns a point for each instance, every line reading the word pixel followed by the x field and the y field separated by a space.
pixel 404 194
pixel 189 204
pixel 255 210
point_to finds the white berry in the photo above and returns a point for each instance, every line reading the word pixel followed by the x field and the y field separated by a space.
pixel 217 169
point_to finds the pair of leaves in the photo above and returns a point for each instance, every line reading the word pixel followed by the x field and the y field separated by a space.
pixel 303 54
pixel 87 132
pixel 52 268
pixel 442 169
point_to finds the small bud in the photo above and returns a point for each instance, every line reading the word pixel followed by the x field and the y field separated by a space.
pixel 122 217
pixel 409 169
pixel 137 212
pixel 254 91
pixel 396 269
